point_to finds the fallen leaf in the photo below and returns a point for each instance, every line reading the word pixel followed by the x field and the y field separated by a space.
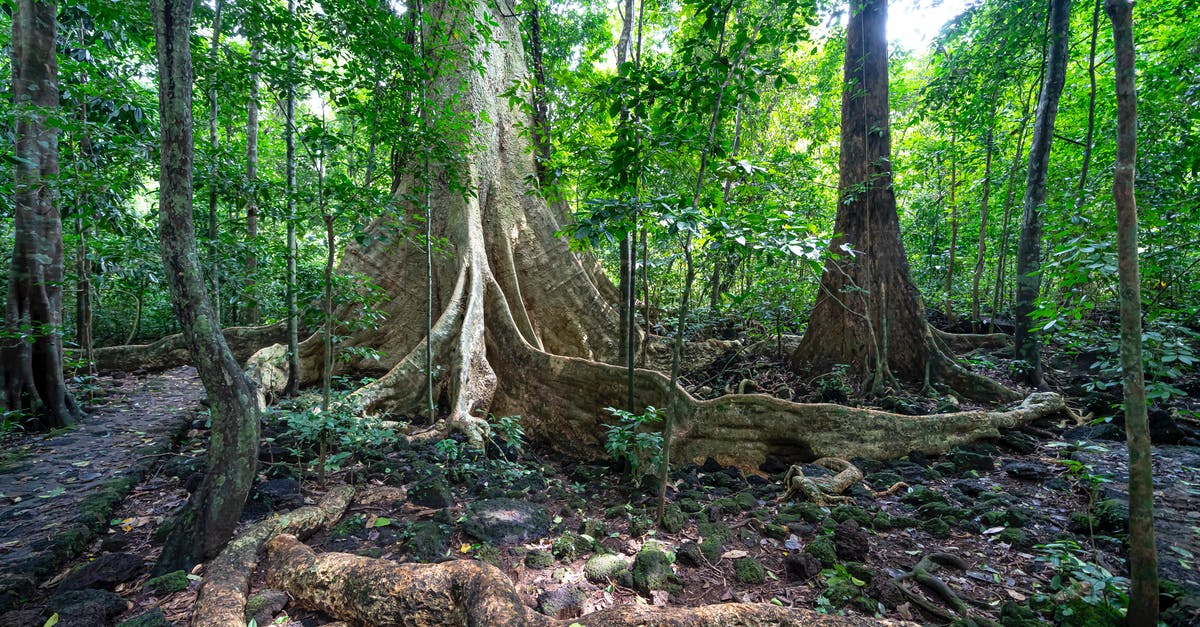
pixel 732 555
pixel 1017 596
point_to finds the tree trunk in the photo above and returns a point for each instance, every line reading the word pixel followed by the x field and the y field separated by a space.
pixel 293 314
pixel 953 236
pixel 541 104
pixel 252 310
pixel 475 594
pixel 214 254
pixel 213 511
pixel 524 324
pixel 981 248
pixel 32 351
pixel 868 313
pixel 1091 123
pixel 1143 558
pixel 1002 263
pixel 1029 245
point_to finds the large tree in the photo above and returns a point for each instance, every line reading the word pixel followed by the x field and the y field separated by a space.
pixel 32 340
pixel 868 313
pixel 524 326
pixel 215 507
pixel 1029 245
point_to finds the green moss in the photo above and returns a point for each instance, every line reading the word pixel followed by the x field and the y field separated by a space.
pixel 1015 537
pixel 748 570
pixel 673 519
pixel 169 583
pixel 940 510
pixel 842 513
pixel 348 526
pixel 602 568
pixel 936 527
pixel 689 506
pixel 539 559
pixel 592 527
pixel 922 495
pixel 652 568
pixel 822 548
pixel 569 545
pixel 488 554
pixel 746 501
pixel 1111 515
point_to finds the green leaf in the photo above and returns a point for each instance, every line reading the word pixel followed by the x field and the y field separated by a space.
pixel 382 522
pixel 52 621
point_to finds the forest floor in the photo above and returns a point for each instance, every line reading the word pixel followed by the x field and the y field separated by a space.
pixel 1030 527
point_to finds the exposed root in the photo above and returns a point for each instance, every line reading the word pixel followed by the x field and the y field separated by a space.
pixel 222 598
pixel 895 487
pixel 823 491
pixel 924 573
pixel 171 351
pixel 967 342
pixel 382 593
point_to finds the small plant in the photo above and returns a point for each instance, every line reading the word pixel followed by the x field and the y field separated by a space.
pixel 835 385
pixel 1077 579
pixel 841 588
pixel 452 450
pixel 510 431
pixel 630 441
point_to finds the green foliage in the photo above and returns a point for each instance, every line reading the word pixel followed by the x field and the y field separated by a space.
pixel 630 441
pixel 1075 578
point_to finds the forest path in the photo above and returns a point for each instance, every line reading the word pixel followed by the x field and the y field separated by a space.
pixel 58 490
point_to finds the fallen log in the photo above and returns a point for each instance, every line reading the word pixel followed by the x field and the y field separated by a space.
pixel 171 351
pixel 222 598
pixel 365 591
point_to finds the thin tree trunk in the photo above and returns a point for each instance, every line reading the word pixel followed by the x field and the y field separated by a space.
pixel 32 354
pixel 953 235
pixel 1029 245
pixel 293 315
pixel 252 310
pixel 1002 262
pixel 1091 124
pixel 214 261
pixel 541 104
pixel 981 248
pixel 215 507
pixel 1143 557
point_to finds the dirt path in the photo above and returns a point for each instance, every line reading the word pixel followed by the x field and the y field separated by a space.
pixel 57 491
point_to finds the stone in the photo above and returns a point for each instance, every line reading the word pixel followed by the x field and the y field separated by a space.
pixel 746 501
pixel 689 554
pixel 506 521
pixel 801 566
pixel 882 480
pixel 106 571
pixel 851 512
pixel 922 495
pixel 539 559
pixel 823 549
pixel 562 603
pixel 569 545
pixel 263 606
pixel 433 491
pixel 970 487
pixel 639 526
pixel 652 568
pixel 711 466
pixel 1015 537
pixel 279 494
pixel 941 510
pixel 1111 516
pixel 673 519
pixel 1027 471
pixel 850 542
pixel 749 570
pixel 600 569
pixel 169 583
pixel 936 527
pixel 86 608
pixel 592 527
pixel 428 540
pixel 885 591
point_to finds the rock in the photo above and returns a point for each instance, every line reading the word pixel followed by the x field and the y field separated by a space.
pixel 263 606
pixel 673 519
pixel 823 549
pixel 506 521
pixel 689 554
pixel 1111 516
pixel 1015 537
pixel 935 509
pixel 279 494
pixel 428 540
pixel 1018 442
pixel 850 542
pixel 538 559
pixel 884 590
pixel 23 618
pixel 690 506
pixel 169 583
pixel 970 487
pixel 746 501
pixel 969 460
pixel 153 618
pixel 592 527
pixel 569 545
pixel 106 571
pixel 773 465
pixel 711 466
pixel 882 480
pixel 562 603
pixel 639 526
pixel 86 608
pixel 1010 517
pixel 922 495
pixel 936 527
pixel 748 570
pixel 433 491
pixel 1185 611
pixel 652 568
pixel 801 565
pixel 600 569
pixel 1027 471
pixel 851 512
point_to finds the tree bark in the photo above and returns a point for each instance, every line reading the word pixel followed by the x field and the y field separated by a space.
pixel 252 310
pixel 214 260
pixel 1143 557
pixel 868 313
pixel 981 247
pixel 1029 245
pixel 208 520
pixel 293 314
pixel 541 103
pixel 1091 123
pixel 32 356
pixel 172 350
pixel 950 318
pixel 1002 263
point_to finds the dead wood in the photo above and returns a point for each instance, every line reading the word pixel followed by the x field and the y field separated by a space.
pixel 171 351
pixel 823 491
pixel 222 598
pixel 382 593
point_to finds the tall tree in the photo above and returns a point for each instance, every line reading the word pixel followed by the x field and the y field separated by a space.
pixel 868 312
pixel 293 313
pixel 251 312
pixel 1143 558
pixel 32 342
pixel 215 507
pixel 1029 244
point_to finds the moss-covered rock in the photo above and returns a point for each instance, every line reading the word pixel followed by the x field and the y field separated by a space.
pixel 488 554
pixel 823 549
pixel 922 495
pixel 539 559
pixel 690 506
pixel 673 519
pixel 842 513
pixel 569 545
pixel 1111 516
pixel 746 501
pixel 428 540
pixel 639 526
pixel 600 569
pixel 169 583
pixel 592 527
pixel 936 527
pixel 940 510
pixel 652 568
pixel 153 618
pixel 748 570
pixel 1015 537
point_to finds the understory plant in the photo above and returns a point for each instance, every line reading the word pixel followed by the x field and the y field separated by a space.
pixel 1083 592
pixel 633 441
